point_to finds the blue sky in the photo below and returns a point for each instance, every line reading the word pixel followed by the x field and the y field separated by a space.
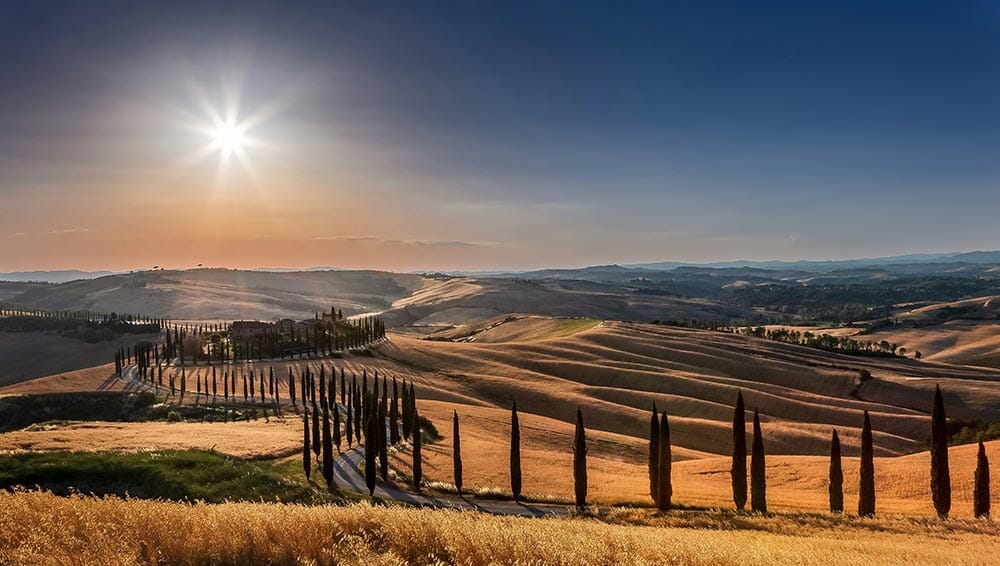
pixel 481 135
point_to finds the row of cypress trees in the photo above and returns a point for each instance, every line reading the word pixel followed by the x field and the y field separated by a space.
pixel 939 473
pixel 367 410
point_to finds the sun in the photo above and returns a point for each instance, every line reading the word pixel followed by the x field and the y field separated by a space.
pixel 228 138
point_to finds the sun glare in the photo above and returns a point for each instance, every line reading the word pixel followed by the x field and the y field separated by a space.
pixel 228 138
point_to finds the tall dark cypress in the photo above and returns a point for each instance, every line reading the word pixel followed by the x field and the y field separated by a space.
pixel 306 454
pixel 836 476
pixel 664 487
pixel 739 468
pixel 380 435
pixel 357 412
pixel 394 414
pixel 758 481
pixel 371 443
pixel 327 449
pixel 414 425
pixel 418 470
pixel 866 493
pixel 332 389
pixel 322 387
pixel 349 425
pixel 405 410
pixel 940 475
pixel 337 438
pixel 981 491
pixel 653 465
pixel 343 388
pixel 580 462
pixel 291 385
pixel 315 431
pixel 456 454
pixel 515 453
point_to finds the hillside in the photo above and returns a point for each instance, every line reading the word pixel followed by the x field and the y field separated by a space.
pixel 616 371
pixel 28 355
pixel 222 294
pixel 460 301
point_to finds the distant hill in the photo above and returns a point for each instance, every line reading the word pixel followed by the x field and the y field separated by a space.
pixel 210 294
pixel 981 257
pixel 52 276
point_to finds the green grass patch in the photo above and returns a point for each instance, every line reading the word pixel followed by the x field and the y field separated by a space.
pixel 177 475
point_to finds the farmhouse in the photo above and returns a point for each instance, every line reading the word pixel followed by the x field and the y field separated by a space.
pixel 248 329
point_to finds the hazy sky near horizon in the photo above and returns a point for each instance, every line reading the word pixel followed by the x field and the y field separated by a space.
pixel 488 135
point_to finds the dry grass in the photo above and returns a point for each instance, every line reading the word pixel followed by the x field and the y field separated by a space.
pixel 28 355
pixel 97 378
pixel 39 528
pixel 516 328
pixel 256 439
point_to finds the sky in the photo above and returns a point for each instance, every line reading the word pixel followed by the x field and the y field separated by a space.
pixel 494 135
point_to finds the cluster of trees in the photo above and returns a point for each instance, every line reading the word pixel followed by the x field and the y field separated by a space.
pixel 370 416
pixel 213 343
pixel 843 344
pixel 80 325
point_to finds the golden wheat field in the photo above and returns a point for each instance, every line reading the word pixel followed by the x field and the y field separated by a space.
pixel 254 439
pixel 40 528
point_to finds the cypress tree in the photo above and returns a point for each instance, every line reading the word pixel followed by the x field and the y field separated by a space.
pixel 653 465
pixel 414 425
pixel 580 462
pixel 252 379
pixel 380 435
pixel 515 453
pixel 337 439
pixel 866 495
pixel 327 450
pixel 981 491
pixel 306 455
pixel 291 385
pixel 315 432
pixel 371 445
pixel 940 475
pixel 456 453
pixel 332 388
pixel 758 481
pixel 836 476
pixel 322 387
pixel 349 425
pixel 664 487
pixel 739 469
pixel 418 471
pixel 394 414
pixel 406 411
pixel 357 412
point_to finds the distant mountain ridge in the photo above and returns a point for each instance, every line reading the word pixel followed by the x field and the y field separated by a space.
pixel 976 257
pixel 60 276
